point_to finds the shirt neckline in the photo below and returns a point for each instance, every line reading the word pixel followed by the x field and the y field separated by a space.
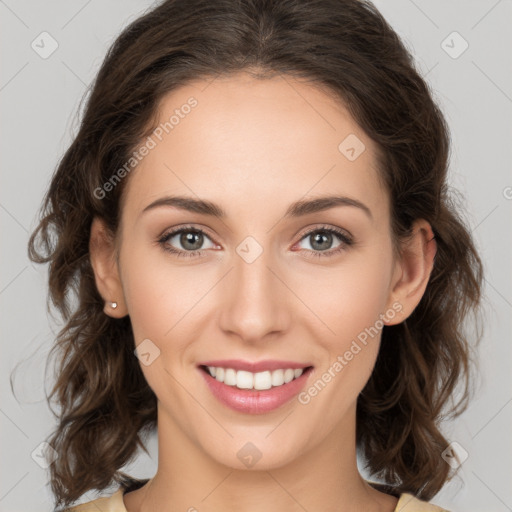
pixel 403 498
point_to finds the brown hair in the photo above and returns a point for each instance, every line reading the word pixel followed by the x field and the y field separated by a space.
pixel 106 405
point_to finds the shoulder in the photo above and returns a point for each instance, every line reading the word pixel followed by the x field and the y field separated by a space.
pixel 406 502
pixel 112 503
pixel 409 503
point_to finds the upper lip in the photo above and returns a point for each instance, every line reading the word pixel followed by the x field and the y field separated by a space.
pixel 255 367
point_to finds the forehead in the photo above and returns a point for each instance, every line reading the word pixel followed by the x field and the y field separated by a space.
pixel 240 140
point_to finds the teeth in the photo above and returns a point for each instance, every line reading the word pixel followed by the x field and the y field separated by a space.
pixel 288 375
pixel 262 380
pixel 218 373
pixel 230 377
pixel 258 381
pixel 244 380
pixel 278 378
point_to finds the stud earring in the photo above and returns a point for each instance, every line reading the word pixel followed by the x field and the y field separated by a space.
pixel 113 305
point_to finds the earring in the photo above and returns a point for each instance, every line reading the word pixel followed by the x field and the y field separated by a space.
pixel 113 305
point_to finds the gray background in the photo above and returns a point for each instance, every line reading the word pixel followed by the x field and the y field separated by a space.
pixel 39 98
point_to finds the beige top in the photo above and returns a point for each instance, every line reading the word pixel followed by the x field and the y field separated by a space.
pixel 406 503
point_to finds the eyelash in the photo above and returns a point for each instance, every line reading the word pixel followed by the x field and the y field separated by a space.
pixel 346 241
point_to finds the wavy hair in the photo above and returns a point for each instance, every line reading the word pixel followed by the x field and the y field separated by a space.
pixel 105 405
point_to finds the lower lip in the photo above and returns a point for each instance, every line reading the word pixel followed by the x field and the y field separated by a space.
pixel 251 401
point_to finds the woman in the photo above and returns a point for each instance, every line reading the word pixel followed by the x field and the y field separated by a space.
pixel 268 268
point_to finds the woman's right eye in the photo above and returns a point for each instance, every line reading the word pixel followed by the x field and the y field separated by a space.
pixel 190 239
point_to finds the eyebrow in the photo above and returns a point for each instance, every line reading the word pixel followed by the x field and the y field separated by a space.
pixel 296 209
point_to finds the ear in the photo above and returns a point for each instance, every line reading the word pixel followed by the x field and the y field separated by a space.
pixel 106 270
pixel 412 270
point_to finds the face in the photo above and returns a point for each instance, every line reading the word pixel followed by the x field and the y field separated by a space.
pixel 266 287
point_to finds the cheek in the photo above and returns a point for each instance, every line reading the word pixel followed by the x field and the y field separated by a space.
pixel 350 297
pixel 158 293
pixel 160 302
pixel 350 300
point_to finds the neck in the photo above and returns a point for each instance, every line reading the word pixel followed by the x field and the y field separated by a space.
pixel 324 478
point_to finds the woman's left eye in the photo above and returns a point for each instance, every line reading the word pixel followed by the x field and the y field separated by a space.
pixel 322 237
pixel 191 240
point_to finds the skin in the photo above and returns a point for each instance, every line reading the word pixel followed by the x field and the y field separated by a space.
pixel 254 147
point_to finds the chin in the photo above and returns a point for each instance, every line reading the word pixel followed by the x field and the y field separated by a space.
pixel 258 454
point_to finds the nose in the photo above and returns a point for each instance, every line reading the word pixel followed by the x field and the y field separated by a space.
pixel 254 304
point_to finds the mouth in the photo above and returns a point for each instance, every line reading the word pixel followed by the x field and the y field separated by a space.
pixel 255 392
pixel 259 381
